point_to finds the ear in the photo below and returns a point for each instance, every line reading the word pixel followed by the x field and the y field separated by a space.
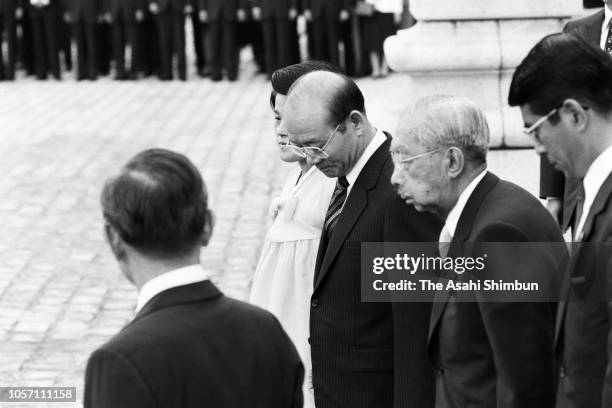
pixel 115 242
pixel 356 118
pixel 456 161
pixel 572 109
pixel 209 225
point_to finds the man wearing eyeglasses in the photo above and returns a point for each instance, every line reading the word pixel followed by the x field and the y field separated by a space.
pixel 564 90
pixel 487 354
pixel 363 354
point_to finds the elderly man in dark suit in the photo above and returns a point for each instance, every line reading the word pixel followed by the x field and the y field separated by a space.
pixel 170 18
pixel 222 17
pixel 125 17
pixel 560 192
pixel 564 90
pixel 44 18
pixel 188 346
pixel 363 354
pixel 83 15
pixel 10 12
pixel 487 353
pixel 326 16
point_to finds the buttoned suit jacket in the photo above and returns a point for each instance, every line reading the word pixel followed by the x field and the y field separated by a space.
pixel 496 354
pixel 190 346
pixel 369 354
pixel 552 182
pixel 584 336
pixel 222 9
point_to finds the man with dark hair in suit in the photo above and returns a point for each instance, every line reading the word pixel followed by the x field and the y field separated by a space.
pixel 188 346
pixel 222 17
pixel 326 16
pixel 564 90
pixel 44 18
pixel 10 12
pixel 170 18
pixel 487 353
pixel 83 15
pixel 363 354
pixel 277 20
pixel 125 17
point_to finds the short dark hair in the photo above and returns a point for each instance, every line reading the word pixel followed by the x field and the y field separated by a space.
pixel 347 98
pixel 157 203
pixel 283 78
pixel 562 66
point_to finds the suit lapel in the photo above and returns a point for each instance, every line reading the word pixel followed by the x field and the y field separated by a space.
pixel 599 204
pixel 594 28
pixel 462 233
pixel 356 202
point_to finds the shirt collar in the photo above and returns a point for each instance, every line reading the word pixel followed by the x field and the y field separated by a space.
pixel 177 277
pixel 379 139
pixel 608 15
pixel 453 216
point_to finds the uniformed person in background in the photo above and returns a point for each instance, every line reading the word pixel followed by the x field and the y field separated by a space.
pixel 44 16
pixel 84 16
pixel 126 17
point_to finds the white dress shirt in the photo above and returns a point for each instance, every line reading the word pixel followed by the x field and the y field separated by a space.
pixel 595 176
pixel 604 28
pixel 172 279
pixel 379 139
pixel 450 226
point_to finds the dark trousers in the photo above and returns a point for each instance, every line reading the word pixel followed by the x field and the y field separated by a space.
pixel 277 43
pixel 46 52
pixel 104 48
pixel 171 29
pixel 87 49
pixel 347 31
pixel 126 34
pixel 198 41
pixel 326 34
pixel 223 47
pixel 8 26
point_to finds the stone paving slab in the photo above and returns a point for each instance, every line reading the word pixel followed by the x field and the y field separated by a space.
pixel 61 294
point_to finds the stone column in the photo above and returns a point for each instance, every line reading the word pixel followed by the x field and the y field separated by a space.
pixel 471 47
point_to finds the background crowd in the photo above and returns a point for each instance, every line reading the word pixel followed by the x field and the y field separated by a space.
pixel 131 39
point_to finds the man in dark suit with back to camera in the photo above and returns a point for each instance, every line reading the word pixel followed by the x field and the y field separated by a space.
pixel 188 346
pixel 83 15
pixel 487 353
pixel 564 90
pixel 126 17
pixel 326 16
pixel 364 355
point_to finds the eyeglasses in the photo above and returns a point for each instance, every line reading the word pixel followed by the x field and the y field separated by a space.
pixel 313 152
pixel 401 162
pixel 532 130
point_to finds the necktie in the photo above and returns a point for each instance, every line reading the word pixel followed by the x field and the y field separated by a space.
pixel 579 209
pixel 444 242
pixel 335 205
pixel 608 45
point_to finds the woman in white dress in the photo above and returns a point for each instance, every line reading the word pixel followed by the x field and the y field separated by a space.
pixel 283 280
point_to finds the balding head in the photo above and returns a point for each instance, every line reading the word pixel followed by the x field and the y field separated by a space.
pixel 327 107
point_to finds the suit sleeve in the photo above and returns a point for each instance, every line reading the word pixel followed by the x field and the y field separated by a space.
pixel 112 381
pixel 607 391
pixel 414 380
pixel 521 335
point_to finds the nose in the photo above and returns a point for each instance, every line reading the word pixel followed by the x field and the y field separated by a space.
pixel 281 129
pixel 396 178
pixel 540 149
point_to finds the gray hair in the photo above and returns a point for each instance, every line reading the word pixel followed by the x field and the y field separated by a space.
pixel 448 121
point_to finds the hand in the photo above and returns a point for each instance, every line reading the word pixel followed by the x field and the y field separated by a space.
pixel 397 18
pixel 293 13
pixel 67 17
pixel 18 13
pixel 107 17
pixel 308 15
pixel 344 15
pixel 256 13
pixel 188 9
pixel 241 15
pixel 203 15
pixel 139 15
pixel 154 8
pixel 554 206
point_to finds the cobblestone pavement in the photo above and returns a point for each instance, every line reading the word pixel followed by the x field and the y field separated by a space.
pixel 61 294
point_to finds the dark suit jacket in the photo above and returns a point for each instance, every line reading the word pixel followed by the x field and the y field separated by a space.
pixel 496 354
pixel 552 181
pixel 87 10
pixel 584 335
pixel 328 8
pixel 7 7
pixel 172 6
pixel 124 9
pixel 275 8
pixel 222 9
pixel 50 11
pixel 369 354
pixel 191 346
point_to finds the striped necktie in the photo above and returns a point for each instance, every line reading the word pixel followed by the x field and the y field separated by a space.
pixel 335 205
pixel 608 45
